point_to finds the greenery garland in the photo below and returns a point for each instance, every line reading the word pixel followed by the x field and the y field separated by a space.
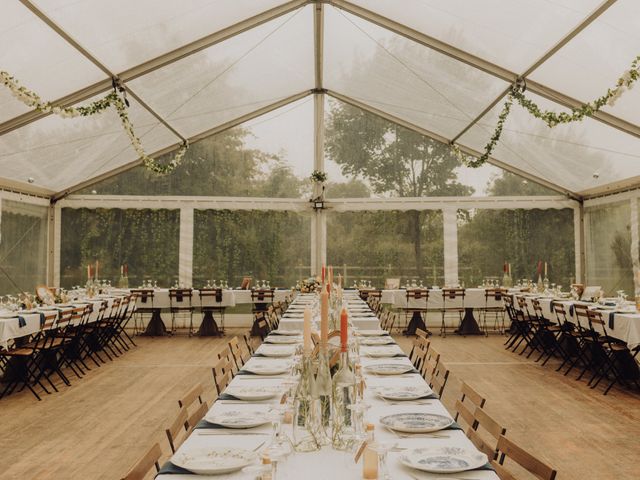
pixel 552 119
pixel 112 99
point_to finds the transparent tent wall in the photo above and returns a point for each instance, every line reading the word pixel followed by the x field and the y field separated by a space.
pixel 489 238
pixel 608 247
pixel 376 245
pixel 265 245
pixel 147 240
pixel 23 246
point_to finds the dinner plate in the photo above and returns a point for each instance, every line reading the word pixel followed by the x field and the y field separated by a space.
pixel 385 340
pixel 416 422
pixel 282 339
pixel 380 352
pixel 237 418
pixel 213 460
pixel 262 369
pixel 371 333
pixel 277 351
pixel 286 332
pixel 251 393
pixel 389 368
pixel 443 459
pixel 404 393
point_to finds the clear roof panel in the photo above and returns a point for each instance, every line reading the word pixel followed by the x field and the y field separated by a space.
pixel 368 156
pixel 238 76
pixel 578 156
pixel 39 58
pixel 124 33
pixel 396 75
pixel 58 153
pixel 593 61
pixel 528 28
pixel 269 156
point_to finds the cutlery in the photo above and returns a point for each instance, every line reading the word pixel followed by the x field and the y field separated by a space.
pixel 438 477
pixel 422 435
pixel 258 447
pixel 227 432
pixel 411 402
pixel 244 402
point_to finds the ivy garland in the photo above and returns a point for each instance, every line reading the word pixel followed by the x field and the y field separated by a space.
pixel 552 119
pixel 113 99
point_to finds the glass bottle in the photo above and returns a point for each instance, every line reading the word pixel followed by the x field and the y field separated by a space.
pixel 344 395
pixel 323 393
pixel 306 436
pixel 370 456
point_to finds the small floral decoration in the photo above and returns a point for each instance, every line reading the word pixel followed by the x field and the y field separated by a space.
pixel 552 119
pixel 318 176
pixel 112 99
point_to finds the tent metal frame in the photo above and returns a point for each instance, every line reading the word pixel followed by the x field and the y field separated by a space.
pixel 290 6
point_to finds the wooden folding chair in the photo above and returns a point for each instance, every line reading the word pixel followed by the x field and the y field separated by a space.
pixel 194 394
pixel 143 466
pixel 222 374
pixel 468 402
pixel 485 433
pixel 226 353
pixel 439 379
pixel 240 354
pixel 178 430
pixel 508 449
pixel 196 416
pixel 429 363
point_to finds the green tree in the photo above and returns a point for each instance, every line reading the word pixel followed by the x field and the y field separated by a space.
pixel 394 161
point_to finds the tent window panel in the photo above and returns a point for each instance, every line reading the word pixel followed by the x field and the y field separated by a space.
pixel 387 244
pixel 23 247
pixel 146 240
pixel 489 238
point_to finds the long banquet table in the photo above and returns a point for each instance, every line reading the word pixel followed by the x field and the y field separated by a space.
pixel 21 324
pixel 327 463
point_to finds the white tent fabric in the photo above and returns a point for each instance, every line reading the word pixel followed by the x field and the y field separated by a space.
pixel 441 67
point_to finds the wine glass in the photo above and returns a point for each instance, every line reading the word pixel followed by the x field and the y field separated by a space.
pixel 382 449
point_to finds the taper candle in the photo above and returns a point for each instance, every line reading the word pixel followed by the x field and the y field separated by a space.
pixel 306 332
pixel 330 275
pixel 323 274
pixel 324 318
pixel 344 323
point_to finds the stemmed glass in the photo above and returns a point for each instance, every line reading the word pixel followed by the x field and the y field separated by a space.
pixel 382 449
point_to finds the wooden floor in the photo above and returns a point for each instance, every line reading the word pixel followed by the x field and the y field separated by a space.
pixel 104 422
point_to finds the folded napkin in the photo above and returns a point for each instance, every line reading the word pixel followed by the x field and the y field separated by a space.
pixel 42 319
pixel 21 321
pixel 612 316
pixel 170 468
pixel 218 296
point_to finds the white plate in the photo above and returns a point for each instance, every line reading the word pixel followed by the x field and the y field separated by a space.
pixel 267 369
pixel 377 341
pixel 416 422
pixel 404 393
pixel 371 333
pixel 214 460
pixel 251 393
pixel 286 332
pixel 380 352
pixel 443 459
pixel 276 351
pixel 237 418
pixel 389 368
pixel 282 339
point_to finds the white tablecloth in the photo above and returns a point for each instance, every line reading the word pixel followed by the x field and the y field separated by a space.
pixel 230 298
pixel 474 298
pixel 10 327
pixel 328 463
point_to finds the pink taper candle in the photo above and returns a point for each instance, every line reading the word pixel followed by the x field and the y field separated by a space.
pixel 324 318
pixel 306 332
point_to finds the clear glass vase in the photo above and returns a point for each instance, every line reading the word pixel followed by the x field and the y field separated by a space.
pixel 306 426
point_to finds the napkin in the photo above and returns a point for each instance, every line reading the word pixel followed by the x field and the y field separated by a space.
pixel 21 322
pixel 170 468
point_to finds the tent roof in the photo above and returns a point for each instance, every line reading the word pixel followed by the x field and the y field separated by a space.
pixel 197 67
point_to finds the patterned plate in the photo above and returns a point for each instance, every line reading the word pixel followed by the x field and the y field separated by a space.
pixel 380 352
pixel 443 459
pixel 267 369
pixel 213 460
pixel 287 332
pixel 389 368
pixel 276 351
pixel 282 339
pixel 371 333
pixel 237 418
pixel 251 393
pixel 377 341
pixel 404 393
pixel 416 422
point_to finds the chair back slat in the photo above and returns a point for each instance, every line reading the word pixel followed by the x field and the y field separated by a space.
pixel 177 431
pixel 523 458
pixel 145 464
pixel 488 423
pixel 193 395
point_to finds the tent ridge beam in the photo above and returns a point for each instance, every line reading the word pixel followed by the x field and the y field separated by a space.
pixel 480 63
pixel 548 54
pixel 442 139
pixel 156 63
pixel 219 129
